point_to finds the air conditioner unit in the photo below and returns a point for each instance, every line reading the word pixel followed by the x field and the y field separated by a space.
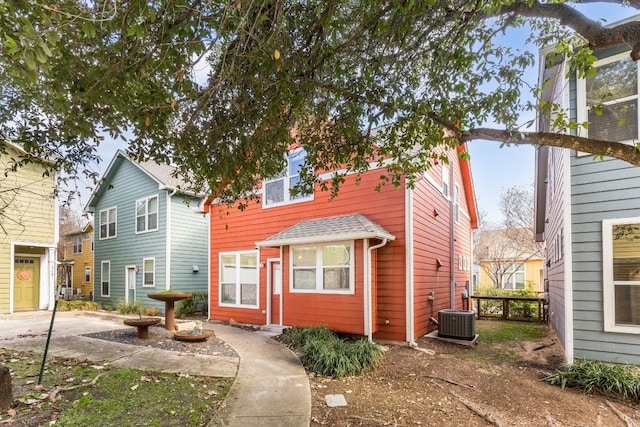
pixel 457 324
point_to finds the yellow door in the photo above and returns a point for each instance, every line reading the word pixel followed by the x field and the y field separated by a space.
pixel 26 283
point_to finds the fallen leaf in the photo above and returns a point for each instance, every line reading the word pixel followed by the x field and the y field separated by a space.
pixel 135 387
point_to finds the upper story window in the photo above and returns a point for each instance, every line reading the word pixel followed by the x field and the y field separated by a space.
pixel 324 268
pixel 276 191
pixel 147 214
pixel 609 100
pixel 456 203
pixel 445 180
pixel 77 244
pixel 108 223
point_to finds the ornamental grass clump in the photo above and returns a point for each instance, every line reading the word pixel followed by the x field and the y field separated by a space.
pixel 323 352
pixel 607 379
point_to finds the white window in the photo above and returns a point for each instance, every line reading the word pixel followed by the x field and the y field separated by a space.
pixel 239 279
pixel 621 273
pixel 277 190
pixel 147 214
pixel 456 203
pixel 445 180
pixel 324 268
pixel 105 278
pixel 77 244
pixel 514 277
pixel 148 272
pixel 609 100
pixel 87 274
pixel 108 223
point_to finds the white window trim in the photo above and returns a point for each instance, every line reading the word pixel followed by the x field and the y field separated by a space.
pixel 286 179
pixel 319 282
pixel 144 271
pixel 238 291
pixel 446 180
pixel 115 210
pixel 85 274
pixel 581 97
pixel 522 268
pixel 76 239
pixel 608 285
pixel 456 203
pixel 146 215
pixel 102 278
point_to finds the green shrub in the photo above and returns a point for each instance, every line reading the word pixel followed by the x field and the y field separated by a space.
pixel 326 354
pixel 150 311
pixel 522 309
pixel 107 307
pixel 187 307
pixel 300 336
pixel 69 305
pixel 607 379
pixel 129 307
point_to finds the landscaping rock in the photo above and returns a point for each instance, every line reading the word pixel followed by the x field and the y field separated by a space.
pixel 335 400
pixel 185 326
pixel 6 394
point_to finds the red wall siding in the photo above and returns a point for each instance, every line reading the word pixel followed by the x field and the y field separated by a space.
pixel 432 242
pixel 234 230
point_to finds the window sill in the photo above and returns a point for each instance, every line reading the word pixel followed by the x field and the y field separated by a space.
pixel 322 291
pixel 288 202
pixel 230 305
pixel 146 231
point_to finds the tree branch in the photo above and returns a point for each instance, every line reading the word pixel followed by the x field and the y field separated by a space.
pixel 593 31
pixel 628 153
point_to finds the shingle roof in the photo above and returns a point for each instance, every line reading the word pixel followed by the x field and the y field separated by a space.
pixel 163 173
pixel 345 227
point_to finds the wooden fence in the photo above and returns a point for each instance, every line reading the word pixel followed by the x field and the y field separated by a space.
pixel 511 308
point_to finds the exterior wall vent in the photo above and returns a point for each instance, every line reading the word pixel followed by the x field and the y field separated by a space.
pixel 457 324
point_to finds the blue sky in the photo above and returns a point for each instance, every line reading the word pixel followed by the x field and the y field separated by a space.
pixel 493 168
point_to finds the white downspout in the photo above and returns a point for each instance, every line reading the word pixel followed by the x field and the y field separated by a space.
pixel 409 267
pixel 168 237
pixel 368 301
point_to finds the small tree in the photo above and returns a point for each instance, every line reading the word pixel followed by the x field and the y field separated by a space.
pixel 502 252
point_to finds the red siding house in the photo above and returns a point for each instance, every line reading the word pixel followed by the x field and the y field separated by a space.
pixel 373 263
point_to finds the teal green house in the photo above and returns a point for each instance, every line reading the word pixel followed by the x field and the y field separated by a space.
pixel 150 234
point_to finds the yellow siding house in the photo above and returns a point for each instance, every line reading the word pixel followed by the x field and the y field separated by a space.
pixel 28 233
pixel 78 260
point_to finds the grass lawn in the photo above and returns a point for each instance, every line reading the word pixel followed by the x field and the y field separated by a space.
pixel 77 393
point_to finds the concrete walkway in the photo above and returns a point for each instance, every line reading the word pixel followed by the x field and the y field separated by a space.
pixel 271 386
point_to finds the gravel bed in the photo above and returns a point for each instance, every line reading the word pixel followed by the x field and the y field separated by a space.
pixel 162 339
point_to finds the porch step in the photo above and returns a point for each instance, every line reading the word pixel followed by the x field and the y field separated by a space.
pixel 273 328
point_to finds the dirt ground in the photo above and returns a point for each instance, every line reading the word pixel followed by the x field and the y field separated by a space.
pixel 445 384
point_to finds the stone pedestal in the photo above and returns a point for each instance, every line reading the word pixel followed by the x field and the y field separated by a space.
pixel 6 395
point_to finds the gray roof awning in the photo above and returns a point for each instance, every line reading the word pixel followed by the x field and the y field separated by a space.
pixel 346 227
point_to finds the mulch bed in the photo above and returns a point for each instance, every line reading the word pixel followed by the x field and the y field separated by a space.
pixel 162 339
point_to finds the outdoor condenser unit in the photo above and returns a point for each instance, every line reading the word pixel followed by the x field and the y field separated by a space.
pixel 457 324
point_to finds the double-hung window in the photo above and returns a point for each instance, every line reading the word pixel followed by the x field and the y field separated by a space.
pixel 239 279
pixel 621 274
pixel 87 273
pixel 108 223
pixel 105 278
pixel 147 214
pixel 456 203
pixel 148 272
pixel 514 277
pixel 322 268
pixel 77 244
pixel 609 100
pixel 445 181
pixel 277 190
